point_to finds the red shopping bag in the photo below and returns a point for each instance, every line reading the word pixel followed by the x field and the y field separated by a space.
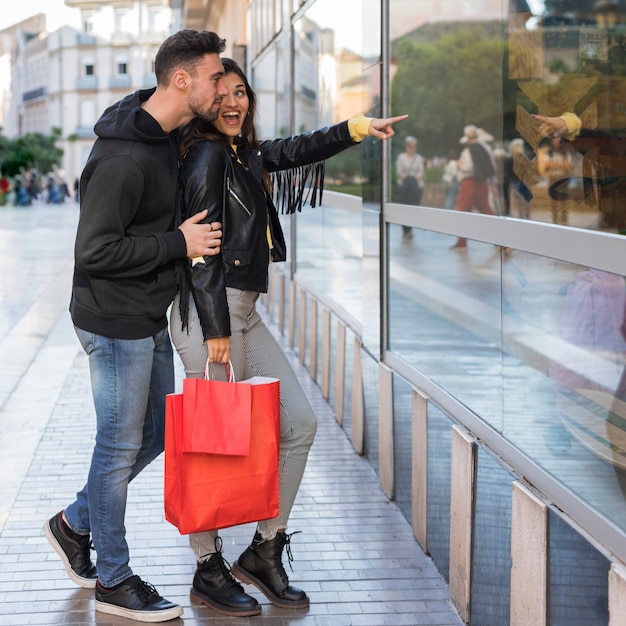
pixel 213 491
pixel 216 416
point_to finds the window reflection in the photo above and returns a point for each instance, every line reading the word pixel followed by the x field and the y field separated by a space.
pixel 333 82
pixel 446 72
pixel 534 346
pixel 570 59
pixel 336 76
pixel 445 316
pixel 558 56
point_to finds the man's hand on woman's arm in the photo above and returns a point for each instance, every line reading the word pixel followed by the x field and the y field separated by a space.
pixel 201 239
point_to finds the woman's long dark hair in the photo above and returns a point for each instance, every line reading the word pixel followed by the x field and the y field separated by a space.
pixel 199 129
pixel 292 187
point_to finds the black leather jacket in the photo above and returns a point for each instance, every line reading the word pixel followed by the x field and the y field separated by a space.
pixel 229 185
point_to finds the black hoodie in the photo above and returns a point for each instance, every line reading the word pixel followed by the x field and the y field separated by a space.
pixel 126 242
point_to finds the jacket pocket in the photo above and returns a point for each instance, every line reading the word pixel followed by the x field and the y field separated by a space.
pixel 237 258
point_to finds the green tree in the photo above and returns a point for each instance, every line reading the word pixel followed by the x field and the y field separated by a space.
pixel 457 80
pixel 32 150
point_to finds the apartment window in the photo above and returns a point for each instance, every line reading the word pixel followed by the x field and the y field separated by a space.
pixel 121 66
pixel 88 23
pixel 88 66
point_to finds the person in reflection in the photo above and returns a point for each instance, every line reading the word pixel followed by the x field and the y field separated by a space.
pixel 225 169
pixel 515 193
pixel 597 316
pixel 410 184
pixel 589 374
pixel 450 179
pixel 476 169
pixel 607 149
pixel 554 163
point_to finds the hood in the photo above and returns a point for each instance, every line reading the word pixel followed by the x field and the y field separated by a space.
pixel 126 120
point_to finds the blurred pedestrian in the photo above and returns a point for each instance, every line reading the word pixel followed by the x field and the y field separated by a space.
pixel 410 184
pixel 476 169
pixel 450 179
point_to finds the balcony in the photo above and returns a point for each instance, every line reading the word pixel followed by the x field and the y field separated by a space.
pixel 83 39
pixel 84 132
pixel 86 83
pixel 121 39
pixel 121 81
pixel 34 94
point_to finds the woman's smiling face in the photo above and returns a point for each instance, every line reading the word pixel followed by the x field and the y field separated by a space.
pixel 235 105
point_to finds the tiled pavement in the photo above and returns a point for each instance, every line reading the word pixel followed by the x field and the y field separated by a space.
pixel 355 555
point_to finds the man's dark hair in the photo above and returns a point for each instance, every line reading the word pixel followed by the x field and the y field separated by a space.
pixel 185 49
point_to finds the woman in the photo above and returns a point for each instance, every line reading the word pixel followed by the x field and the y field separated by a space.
pixel 410 171
pixel 225 170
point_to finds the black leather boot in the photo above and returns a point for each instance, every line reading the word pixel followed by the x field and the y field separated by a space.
pixel 261 565
pixel 214 585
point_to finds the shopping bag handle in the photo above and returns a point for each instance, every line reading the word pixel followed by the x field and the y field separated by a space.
pixel 230 370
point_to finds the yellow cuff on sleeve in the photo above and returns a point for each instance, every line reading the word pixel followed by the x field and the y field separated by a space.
pixel 359 127
pixel 573 124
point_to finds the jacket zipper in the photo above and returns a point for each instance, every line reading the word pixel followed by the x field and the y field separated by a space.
pixel 234 195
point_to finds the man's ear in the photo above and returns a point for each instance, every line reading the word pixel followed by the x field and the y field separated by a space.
pixel 181 79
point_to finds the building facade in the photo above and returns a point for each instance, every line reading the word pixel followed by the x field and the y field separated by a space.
pixel 484 384
pixel 65 79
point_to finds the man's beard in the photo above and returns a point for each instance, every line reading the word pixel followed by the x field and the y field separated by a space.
pixel 208 115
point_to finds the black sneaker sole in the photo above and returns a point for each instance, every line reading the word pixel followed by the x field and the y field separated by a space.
pixel 81 581
pixel 138 615
pixel 248 578
pixel 220 608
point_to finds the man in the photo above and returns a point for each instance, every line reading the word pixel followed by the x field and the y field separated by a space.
pixel 476 167
pixel 124 281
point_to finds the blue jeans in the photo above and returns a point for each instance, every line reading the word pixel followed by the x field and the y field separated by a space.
pixel 129 381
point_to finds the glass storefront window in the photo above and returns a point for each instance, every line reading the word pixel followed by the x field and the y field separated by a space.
pixel 559 57
pixel 332 83
pixel 532 345
pixel 444 315
pixel 567 58
pixel 564 358
pixel 329 250
pixel 446 73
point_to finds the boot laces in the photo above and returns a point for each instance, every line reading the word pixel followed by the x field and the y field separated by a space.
pixel 287 545
pixel 224 566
